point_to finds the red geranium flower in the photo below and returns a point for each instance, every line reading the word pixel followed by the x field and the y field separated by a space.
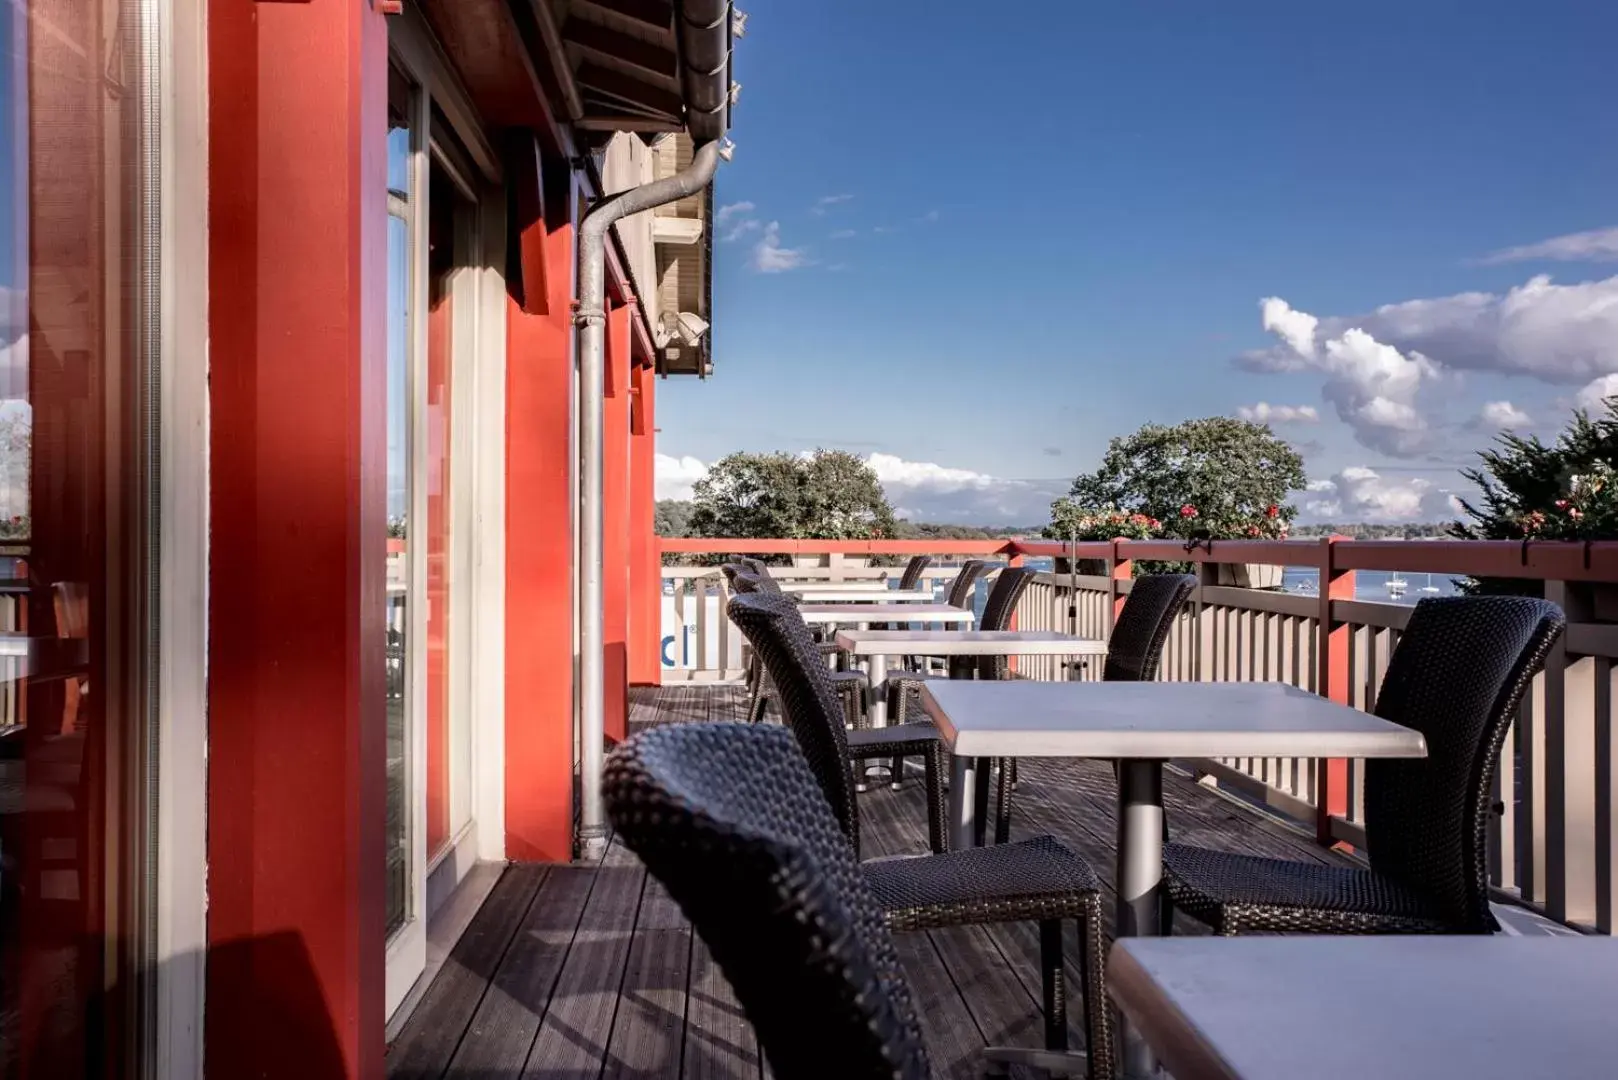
pixel 1273 511
pixel 1188 511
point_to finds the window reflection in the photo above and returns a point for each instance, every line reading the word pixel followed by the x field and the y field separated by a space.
pixel 73 529
pixel 400 95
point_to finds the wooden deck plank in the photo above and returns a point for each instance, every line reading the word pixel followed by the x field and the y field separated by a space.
pixel 573 1035
pixel 427 1044
pixel 719 1041
pixel 502 1031
pixel 648 1033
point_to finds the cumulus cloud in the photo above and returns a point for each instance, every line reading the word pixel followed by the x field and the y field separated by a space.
pixel 739 229
pixel 1561 334
pixel 1593 397
pixel 732 210
pixel 1265 413
pixel 918 490
pixel 769 257
pixel 826 202
pixel 1373 386
pixel 1594 245
pixel 1503 414
pixel 1358 493
pixel 673 477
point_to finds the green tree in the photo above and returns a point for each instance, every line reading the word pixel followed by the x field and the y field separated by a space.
pixel 1530 490
pixel 1217 477
pixel 672 517
pixel 827 495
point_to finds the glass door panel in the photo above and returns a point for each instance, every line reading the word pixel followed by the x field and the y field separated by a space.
pixel 75 537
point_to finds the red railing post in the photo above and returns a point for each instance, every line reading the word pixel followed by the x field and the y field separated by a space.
pixel 1122 569
pixel 1331 788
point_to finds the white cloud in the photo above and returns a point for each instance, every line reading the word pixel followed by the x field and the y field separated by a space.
pixel 918 490
pixel 826 202
pixel 1372 386
pixel 1593 397
pixel 769 257
pixel 1295 328
pixel 1265 413
pixel 734 221
pixel 674 476
pixel 1360 494
pixel 1593 245
pixel 1503 414
pixel 844 234
pixel 929 218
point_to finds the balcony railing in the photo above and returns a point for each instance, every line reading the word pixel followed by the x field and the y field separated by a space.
pixel 1554 840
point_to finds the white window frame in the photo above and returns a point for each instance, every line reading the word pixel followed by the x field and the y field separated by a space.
pixel 180 29
pixel 477 432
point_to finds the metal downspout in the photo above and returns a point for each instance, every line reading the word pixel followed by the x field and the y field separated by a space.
pixel 591 322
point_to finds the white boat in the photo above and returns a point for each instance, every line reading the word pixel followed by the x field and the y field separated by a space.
pixel 1396 586
pixel 1430 589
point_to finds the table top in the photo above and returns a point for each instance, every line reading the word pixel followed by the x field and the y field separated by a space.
pixel 968 643
pixel 877 585
pixel 857 613
pixel 1352 1008
pixel 1156 720
pixel 866 596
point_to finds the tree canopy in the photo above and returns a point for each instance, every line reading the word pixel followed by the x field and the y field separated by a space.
pixel 827 495
pixel 1216 477
pixel 1531 490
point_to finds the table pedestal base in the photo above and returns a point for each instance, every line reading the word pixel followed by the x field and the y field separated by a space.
pixel 1140 880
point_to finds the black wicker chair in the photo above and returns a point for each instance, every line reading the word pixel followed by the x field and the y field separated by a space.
pixel 904 688
pixel 917 565
pixel 1033 880
pixel 1134 650
pixel 732 822
pixel 1457 676
pixel 851 685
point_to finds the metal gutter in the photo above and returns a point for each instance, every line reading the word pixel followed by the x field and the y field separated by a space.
pixel 591 322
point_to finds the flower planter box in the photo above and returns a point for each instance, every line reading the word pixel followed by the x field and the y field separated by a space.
pixel 1250 575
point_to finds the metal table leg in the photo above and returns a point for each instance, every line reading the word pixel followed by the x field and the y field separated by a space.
pixel 962 802
pixel 1140 879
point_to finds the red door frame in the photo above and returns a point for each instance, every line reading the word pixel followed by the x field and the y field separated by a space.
pixel 297 748
pixel 616 524
pixel 645 557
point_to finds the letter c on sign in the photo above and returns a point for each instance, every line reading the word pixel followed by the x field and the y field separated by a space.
pixel 668 642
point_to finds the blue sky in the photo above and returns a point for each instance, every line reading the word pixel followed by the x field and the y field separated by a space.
pixel 980 242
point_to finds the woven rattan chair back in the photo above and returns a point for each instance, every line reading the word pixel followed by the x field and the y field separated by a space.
pixel 1457 676
pixel 1136 644
pixel 997 612
pixel 808 702
pixel 757 566
pixel 966 580
pixel 913 571
pixel 731 820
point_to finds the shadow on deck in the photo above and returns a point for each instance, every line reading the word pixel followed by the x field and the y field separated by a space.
pixel 578 971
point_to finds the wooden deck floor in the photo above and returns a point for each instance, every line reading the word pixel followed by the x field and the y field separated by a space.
pixel 579 971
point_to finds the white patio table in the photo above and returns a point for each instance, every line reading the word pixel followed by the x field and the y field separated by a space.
pixel 862 595
pixel 1394 1008
pixel 1140 725
pixel 878 647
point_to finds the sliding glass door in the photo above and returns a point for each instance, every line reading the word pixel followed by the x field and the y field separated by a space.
pixel 434 254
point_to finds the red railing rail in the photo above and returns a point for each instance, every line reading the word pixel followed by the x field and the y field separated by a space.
pixel 1550 560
